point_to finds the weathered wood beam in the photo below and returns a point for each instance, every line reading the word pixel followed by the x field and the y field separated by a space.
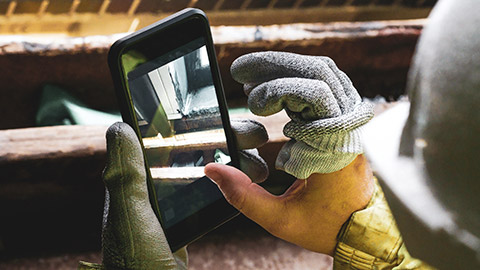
pixel 191 141
pixel 57 143
pixel 315 15
pixel 40 162
pixel 74 23
pixel 177 173
pixel 20 145
pixel 24 151
pixel 376 55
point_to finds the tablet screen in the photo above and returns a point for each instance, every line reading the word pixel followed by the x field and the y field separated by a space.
pixel 178 115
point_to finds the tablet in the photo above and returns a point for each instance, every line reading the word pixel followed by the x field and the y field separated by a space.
pixel 169 90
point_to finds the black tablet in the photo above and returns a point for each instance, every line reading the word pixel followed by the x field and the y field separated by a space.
pixel 169 90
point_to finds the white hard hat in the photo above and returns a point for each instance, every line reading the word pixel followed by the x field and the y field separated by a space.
pixel 426 154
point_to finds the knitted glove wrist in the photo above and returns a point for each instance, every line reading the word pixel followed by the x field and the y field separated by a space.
pixel 324 145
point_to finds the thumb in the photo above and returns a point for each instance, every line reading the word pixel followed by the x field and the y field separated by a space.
pixel 249 198
pixel 132 236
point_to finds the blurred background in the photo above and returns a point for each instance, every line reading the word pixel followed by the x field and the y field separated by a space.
pixel 58 100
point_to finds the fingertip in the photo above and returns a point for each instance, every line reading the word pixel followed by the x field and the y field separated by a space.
pixel 232 182
pixel 121 138
pixel 221 172
pixel 249 133
pixel 211 171
pixel 124 153
pixel 249 198
pixel 248 68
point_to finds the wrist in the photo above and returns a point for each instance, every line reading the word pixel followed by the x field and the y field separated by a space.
pixel 325 145
pixel 343 192
pixel 301 160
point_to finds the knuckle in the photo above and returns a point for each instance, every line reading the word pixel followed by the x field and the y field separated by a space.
pixel 328 60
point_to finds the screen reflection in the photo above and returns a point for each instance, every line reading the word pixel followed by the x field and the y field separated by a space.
pixel 179 120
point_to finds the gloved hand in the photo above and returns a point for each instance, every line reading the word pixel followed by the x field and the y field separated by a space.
pixel 250 135
pixel 132 235
pixel 324 153
pixel 326 110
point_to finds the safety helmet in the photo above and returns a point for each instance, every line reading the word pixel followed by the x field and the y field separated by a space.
pixel 425 153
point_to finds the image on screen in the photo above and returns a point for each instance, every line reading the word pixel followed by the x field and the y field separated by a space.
pixel 179 120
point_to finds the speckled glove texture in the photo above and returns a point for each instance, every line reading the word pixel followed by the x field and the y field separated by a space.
pixel 250 134
pixel 132 236
pixel 325 109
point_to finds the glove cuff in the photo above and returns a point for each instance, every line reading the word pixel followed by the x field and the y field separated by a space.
pixel 332 152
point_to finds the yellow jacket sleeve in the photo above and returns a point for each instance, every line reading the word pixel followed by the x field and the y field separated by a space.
pixel 370 239
pixel 89 266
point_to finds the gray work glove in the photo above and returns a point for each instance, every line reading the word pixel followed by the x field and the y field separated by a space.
pixel 326 110
pixel 132 235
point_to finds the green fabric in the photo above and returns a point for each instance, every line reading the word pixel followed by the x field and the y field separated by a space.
pixel 57 107
pixel 221 157
pixel 132 59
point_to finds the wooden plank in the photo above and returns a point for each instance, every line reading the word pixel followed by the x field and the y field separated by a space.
pixel 177 173
pixel 21 145
pixel 103 23
pixel 375 55
pixel 25 147
pixel 315 15
pixel 209 139
pixel 58 142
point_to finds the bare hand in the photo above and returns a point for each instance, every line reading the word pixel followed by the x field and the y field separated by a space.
pixel 310 213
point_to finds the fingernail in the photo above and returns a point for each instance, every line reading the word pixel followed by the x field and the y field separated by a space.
pixel 212 174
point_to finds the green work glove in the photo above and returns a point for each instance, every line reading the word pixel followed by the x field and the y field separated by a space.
pixel 326 110
pixel 132 235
